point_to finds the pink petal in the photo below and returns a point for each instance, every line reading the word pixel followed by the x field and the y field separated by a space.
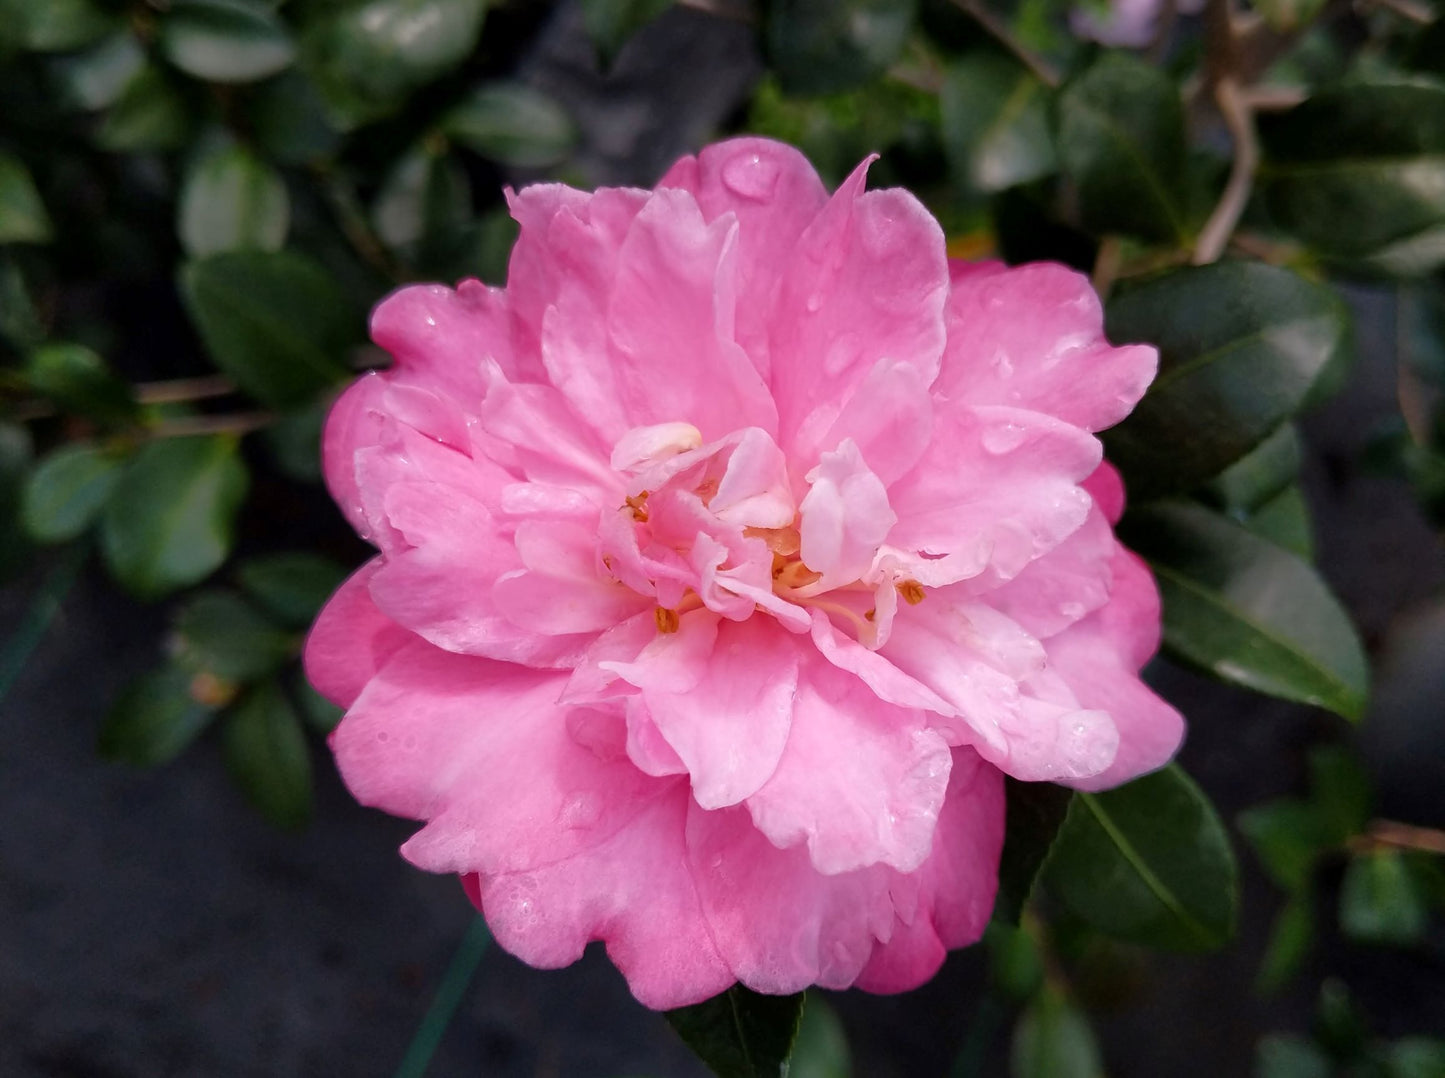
pixel 551 444
pixel 442 337
pixel 957 883
pixel 671 323
pixel 867 281
pixel 845 517
pixel 860 781
pixel 1052 359
pixel 889 417
pixel 438 737
pixel 1064 585
pixel 633 891
pixel 774 193
pixel 996 481
pixel 355 421
pixel 721 693
pixel 1106 487
pixel 350 640
pixel 777 922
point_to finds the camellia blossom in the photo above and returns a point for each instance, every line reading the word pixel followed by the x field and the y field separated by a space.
pixel 729 558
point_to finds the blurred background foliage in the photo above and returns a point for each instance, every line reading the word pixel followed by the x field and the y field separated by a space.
pixel 201 199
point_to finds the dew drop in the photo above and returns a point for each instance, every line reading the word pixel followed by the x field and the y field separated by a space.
pixel 1004 438
pixel 581 810
pixel 815 301
pixel 1072 611
pixel 750 176
pixel 1000 362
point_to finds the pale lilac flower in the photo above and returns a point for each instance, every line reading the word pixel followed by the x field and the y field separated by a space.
pixel 729 557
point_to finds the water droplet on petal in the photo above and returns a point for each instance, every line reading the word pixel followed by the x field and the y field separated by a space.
pixel 815 301
pixel 1002 365
pixel 750 176
pixel 1072 611
pixel 1003 438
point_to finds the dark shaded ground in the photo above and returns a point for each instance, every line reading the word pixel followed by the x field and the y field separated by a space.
pixel 152 925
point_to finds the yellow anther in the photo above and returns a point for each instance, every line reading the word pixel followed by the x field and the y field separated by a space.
pixel 912 591
pixel 870 614
pixel 638 504
pixel 667 620
pixel 795 574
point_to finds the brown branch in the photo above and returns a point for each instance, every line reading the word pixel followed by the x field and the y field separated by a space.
pixel 1400 836
pixel 1214 237
pixel 231 423
pixel 184 389
pixel 1041 69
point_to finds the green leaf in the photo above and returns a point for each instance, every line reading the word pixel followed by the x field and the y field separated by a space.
pixel 1284 520
pixel 1290 940
pixel 54 25
pixel 154 720
pixel 67 492
pixel 513 124
pixel 170 521
pixel 291 587
pixel 1035 812
pixel 149 115
pixel 1121 141
pixel 273 320
pixel 1016 969
pixel 294 442
pixel 266 753
pixel 20 324
pixel 78 380
pixel 1288 836
pixel 1247 611
pixel 317 712
pixel 1341 792
pixel 741 1034
pixel 611 22
pixel 425 195
pixel 821 1050
pixel 824 46
pixel 1358 173
pixel 289 121
pixel 225 40
pixel 1282 1055
pixel 232 201
pixel 219 633
pixel 1260 475
pixel 22 215
pixel 1415 1057
pixel 995 123
pixel 1053 1040
pixel 95 78
pixel 1241 344
pixel 15 457
pixel 1148 862
pixel 365 60
pixel 1379 901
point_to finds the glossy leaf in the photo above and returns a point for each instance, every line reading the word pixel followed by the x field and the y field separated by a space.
pixel 1053 1040
pixel 1016 969
pixel 1380 902
pixel 1035 812
pixel 823 46
pixel 291 587
pixel 274 321
pixel 67 491
pixel 317 712
pixel 1260 475
pixel 995 123
pixel 1247 611
pixel 79 380
pixel 1416 1057
pixel 170 520
pixel 1148 862
pixel 513 124
pixel 266 753
pixel 610 23
pixel 225 40
pixel 55 25
pixel 1121 142
pixel 20 323
pixel 425 194
pixel 149 115
pixel 1290 939
pixel 1282 1055
pixel 221 634
pixel 1341 792
pixel 1284 520
pixel 741 1034
pixel 289 121
pixel 15 457
pixel 233 201
pixel 1241 344
pixel 1358 173
pixel 22 215
pixel 294 442
pixel 95 78
pixel 821 1050
pixel 155 719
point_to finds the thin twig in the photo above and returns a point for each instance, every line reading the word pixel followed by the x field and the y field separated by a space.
pixel 1041 69
pixel 1272 98
pixel 740 12
pixel 1406 9
pixel 231 423
pixel 1106 265
pixel 184 389
pixel 1400 836
pixel 1214 237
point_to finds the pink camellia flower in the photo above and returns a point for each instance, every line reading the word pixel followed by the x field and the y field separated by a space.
pixel 729 558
